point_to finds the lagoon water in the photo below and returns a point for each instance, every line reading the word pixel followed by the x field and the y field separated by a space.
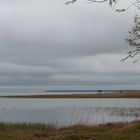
pixel 63 112
pixel 29 90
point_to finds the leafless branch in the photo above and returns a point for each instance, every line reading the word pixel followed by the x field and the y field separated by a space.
pixel 70 2
pixel 134 40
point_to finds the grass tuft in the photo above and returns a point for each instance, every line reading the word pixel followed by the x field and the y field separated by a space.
pixel 26 126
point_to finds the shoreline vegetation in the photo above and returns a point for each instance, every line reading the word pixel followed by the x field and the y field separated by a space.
pixel 121 94
pixel 36 131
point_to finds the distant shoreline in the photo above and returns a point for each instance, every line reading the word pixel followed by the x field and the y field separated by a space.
pixel 92 91
pixel 122 94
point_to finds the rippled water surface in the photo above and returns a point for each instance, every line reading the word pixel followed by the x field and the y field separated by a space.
pixel 69 111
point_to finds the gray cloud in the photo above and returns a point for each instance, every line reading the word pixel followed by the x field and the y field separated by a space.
pixel 48 43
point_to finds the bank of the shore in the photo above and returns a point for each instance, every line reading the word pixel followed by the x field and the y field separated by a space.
pixel 24 131
pixel 124 94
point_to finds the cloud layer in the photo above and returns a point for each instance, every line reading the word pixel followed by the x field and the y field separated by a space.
pixel 48 43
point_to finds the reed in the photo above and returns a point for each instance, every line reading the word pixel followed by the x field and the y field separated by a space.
pixel 26 126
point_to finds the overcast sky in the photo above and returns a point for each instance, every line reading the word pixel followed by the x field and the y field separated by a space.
pixel 45 42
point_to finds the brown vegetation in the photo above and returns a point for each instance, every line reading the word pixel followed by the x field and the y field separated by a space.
pixel 117 131
pixel 122 94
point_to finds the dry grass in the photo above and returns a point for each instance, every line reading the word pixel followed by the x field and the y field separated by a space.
pixel 117 131
pixel 123 94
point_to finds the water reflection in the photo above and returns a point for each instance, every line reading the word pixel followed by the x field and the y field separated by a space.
pixel 69 111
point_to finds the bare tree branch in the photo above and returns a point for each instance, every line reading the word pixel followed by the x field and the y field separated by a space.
pixel 134 34
pixel 134 40
pixel 70 2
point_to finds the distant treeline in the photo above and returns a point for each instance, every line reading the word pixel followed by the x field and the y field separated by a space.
pixel 95 91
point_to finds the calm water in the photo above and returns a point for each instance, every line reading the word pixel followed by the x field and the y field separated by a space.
pixel 28 90
pixel 64 112
pixel 69 111
pixel 17 90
